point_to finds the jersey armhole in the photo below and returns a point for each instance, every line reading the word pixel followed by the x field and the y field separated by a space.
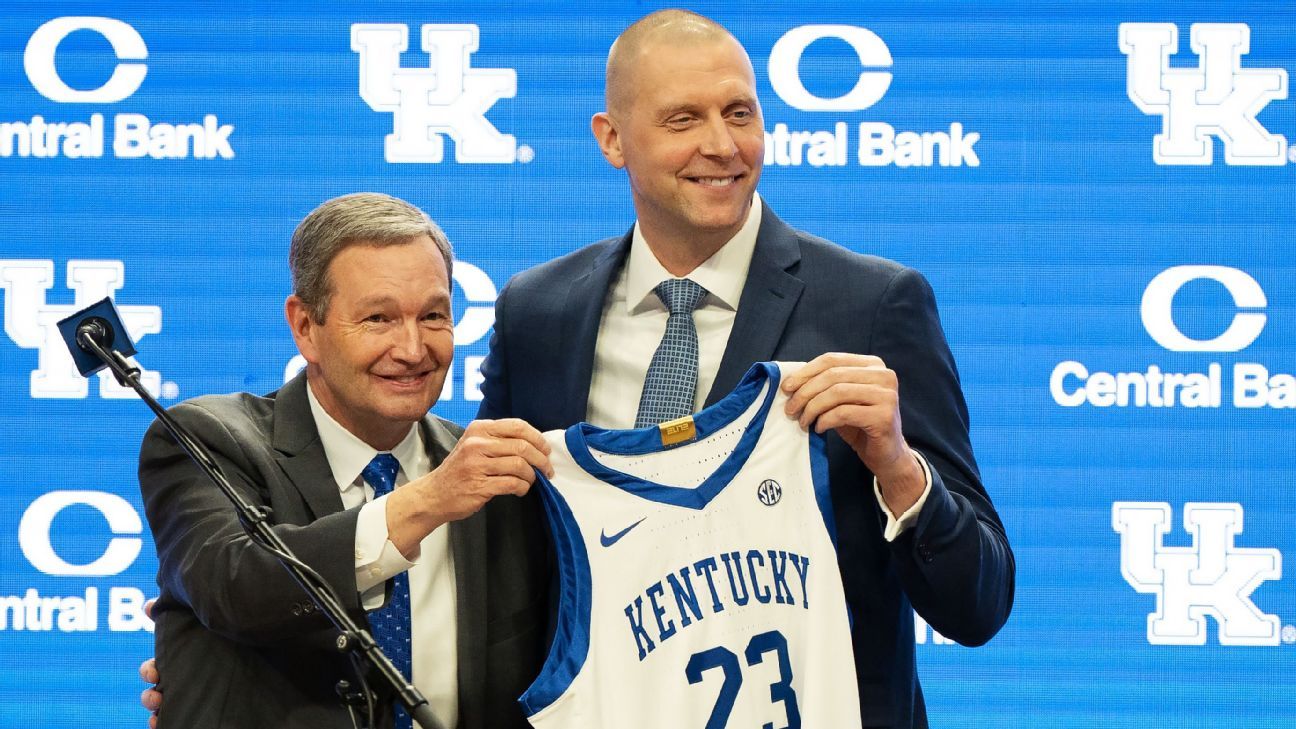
pixel 570 645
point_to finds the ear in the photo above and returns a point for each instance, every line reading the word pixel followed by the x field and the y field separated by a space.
pixel 609 140
pixel 303 327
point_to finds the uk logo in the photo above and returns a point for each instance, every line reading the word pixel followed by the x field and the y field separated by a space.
pixel 1217 99
pixel 448 98
pixel 32 323
pixel 1213 577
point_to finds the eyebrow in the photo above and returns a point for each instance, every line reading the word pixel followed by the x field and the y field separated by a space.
pixel 438 299
pixel 691 107
pixel 676 109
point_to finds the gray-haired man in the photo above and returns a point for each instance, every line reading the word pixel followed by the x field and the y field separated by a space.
pixel 237 640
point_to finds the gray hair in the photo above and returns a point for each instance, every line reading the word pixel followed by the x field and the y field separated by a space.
pixel 369 218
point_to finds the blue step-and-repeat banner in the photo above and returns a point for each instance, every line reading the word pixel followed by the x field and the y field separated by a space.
pixel 1102 194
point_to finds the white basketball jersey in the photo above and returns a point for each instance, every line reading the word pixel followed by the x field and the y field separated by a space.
pixel 699 582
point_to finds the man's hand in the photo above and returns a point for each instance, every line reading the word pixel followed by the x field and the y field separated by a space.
pixel 151 698
pixel 493 458
pixel 859 397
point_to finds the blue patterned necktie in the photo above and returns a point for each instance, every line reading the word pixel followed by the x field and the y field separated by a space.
pixel 672 375
pixel 391 622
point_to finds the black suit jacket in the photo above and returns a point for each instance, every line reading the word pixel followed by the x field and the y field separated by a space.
pixel 238 642
pixel 805 296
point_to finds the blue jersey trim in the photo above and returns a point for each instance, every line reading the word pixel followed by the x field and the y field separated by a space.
pixel 819 474
pixel 823 497
pixel 571 638
pixel 641 441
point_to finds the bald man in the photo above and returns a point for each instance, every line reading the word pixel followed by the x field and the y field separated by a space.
pixel 574 337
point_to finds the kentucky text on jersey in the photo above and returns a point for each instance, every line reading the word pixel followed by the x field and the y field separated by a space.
pixel 762 575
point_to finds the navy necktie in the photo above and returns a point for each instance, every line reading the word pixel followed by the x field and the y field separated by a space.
pixel 391 622
pixel 672 375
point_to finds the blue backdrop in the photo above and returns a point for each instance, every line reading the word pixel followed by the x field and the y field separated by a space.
pixel 1101 194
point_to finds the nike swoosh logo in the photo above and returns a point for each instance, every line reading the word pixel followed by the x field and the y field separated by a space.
pixel 607 541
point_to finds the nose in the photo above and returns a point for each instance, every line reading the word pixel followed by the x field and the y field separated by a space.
pixel 407 343
pixel 718 139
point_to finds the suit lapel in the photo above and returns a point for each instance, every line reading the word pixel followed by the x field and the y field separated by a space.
pixel 468 545
pixel 301 453
pixel 581 316
pixel 467 550
pixel 769 296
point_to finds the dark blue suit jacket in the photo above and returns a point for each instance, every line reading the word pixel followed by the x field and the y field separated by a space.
pixel 805 296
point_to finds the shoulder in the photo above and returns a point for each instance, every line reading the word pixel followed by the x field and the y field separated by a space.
pixel 563 269
pixel 818 259
pixel 233 411
pixel 825 255
pixel 242 417
pixel 837 276
pixel 852 294
pixel 237 404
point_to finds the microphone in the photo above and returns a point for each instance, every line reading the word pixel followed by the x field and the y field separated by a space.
pixel 98 330
pixel 94 334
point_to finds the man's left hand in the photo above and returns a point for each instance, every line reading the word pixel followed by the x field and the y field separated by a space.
pixel 859 397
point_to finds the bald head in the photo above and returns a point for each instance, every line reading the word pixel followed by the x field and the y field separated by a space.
pixel 677 29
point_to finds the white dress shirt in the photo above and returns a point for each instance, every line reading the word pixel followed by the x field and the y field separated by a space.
pixel 431 574
pixel 634 320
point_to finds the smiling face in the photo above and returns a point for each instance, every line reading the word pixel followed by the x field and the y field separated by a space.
pixel 378 360
pixel 686 126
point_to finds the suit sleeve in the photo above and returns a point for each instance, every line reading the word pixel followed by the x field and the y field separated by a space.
pixel 208 564
pixel 494 388
pixel 955 563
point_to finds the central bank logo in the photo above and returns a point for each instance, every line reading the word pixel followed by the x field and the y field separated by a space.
pixel 126 135
pixel 1213 577
pixel 869 143
pixel 32 323
pixel 448 98
pixel 1219 98
pixel 1246 384
pixel 28 610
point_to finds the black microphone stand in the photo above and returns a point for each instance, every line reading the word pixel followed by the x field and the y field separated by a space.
pixel 352 640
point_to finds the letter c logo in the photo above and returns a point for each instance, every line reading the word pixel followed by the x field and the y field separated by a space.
pixel 38 60
pixel 34 533
pixel 785 68
pixel 478 289
pixel 1158 315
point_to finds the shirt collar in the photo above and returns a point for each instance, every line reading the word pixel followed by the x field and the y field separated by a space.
pixel 722 275
pixel 348 455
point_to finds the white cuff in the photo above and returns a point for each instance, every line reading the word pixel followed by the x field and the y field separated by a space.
pixel 376 558
pixel 895 527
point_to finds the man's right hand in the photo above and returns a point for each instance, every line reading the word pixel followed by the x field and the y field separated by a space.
pixel 492 458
